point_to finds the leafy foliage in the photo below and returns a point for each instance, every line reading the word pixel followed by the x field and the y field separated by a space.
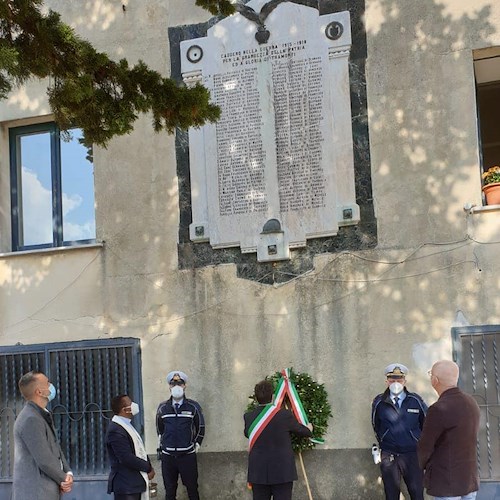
pixel 88 89
pixel 217 7
pixel 315 402
pixel 492 175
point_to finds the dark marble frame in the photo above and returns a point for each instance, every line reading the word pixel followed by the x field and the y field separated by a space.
pixel 362 236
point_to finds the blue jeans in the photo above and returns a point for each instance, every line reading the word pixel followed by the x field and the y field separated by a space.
pixel 469 496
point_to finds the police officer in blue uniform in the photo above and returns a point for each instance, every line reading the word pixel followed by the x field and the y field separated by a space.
pixel 397 418
pixel 181 427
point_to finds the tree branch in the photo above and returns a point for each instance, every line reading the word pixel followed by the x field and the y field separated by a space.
pixel 89 90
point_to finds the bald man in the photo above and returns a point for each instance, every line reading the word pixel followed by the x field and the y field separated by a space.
pixel 447 447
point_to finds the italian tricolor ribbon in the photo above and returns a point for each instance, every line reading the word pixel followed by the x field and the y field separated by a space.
pixel 285 388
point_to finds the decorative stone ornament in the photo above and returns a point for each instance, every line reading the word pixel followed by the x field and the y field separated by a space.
pixel 262 35
pixel 273 243
pixel 334 30
pixel 194 53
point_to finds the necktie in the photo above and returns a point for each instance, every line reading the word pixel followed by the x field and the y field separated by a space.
pixel 176 407
pixel 396 402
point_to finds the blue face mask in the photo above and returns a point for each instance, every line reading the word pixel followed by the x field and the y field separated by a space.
pixel 52 392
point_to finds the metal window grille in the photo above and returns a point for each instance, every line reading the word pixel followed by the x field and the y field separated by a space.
pixel 87 375
pixel 12 366
pixel 477 351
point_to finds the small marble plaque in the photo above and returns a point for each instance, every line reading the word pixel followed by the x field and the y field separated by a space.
pixel 282 148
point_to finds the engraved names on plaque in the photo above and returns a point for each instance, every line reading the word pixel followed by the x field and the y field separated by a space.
pixel 297 98
pixel 282 148
pixel 240 155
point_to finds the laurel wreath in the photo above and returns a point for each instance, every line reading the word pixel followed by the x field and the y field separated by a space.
pixel 315 402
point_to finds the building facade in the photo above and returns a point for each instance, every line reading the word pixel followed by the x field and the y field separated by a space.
pixel 104 289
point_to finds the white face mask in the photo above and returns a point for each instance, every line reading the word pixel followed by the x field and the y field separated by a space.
pixel 396 388
pixel 134 409
pixel 177 392
pixel 52 393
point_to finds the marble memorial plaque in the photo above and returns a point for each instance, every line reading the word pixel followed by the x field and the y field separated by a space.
pixel 282 148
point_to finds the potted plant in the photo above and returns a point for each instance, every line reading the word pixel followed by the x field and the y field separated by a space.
pixel 491 185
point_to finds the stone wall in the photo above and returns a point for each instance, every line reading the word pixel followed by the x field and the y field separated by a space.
pixel 332 474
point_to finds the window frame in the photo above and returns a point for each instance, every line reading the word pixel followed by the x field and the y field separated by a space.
pixel 486 71
pixel 15 133
pixel 481 86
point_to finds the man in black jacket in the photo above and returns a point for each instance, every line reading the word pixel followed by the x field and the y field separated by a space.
pixel 181 427
pixel 398 418
pixel 131 469
pixel 271 461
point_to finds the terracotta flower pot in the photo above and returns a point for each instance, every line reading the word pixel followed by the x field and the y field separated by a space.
pixel 492 193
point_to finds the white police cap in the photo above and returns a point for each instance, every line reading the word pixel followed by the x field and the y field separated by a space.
pixel 178 375
pixel 396 369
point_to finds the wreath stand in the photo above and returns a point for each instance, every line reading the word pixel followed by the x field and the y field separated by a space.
pixel 308 488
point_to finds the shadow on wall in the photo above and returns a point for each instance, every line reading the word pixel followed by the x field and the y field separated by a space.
pixel 419 144
pixel 423 140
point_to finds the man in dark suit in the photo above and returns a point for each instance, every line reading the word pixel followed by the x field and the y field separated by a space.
pixel 447 446
pixel 131 469
pixel 271 461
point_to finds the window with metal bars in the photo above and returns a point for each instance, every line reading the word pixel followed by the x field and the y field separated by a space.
pixel 86 374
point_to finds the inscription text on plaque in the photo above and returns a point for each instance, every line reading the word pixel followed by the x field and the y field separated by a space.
pixel 282 148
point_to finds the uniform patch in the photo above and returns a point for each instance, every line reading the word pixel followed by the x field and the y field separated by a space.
pixel 413 410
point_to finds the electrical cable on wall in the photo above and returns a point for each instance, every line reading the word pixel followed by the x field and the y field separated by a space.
pixel 309 275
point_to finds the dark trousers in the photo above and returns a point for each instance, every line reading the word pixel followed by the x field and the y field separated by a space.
pixel 187 467
pixel 281 491
pixel 402 466
pixel 127 496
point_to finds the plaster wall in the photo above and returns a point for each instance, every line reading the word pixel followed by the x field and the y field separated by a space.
pixel 343 322
pixel 423 130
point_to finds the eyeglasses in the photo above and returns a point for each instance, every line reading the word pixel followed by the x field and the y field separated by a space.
pixel 176 382
pixel 429 372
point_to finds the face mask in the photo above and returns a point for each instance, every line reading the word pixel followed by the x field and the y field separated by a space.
pixel 52 393
pixel 134 409
pixel 396 388
pixel 177 392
